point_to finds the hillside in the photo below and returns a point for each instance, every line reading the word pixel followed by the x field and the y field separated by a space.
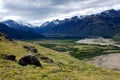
pixel 64 67
pixel 17 25
pixel 105 24
pixel 19 34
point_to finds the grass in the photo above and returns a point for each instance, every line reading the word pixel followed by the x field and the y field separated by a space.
pixel 79 51
pixel 91 51
pixel 65 66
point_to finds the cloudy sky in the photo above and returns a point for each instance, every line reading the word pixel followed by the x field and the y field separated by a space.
pixel 38 11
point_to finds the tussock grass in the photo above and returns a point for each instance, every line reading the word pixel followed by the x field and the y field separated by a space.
pixel 65 66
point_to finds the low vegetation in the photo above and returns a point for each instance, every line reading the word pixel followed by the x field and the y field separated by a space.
pixel 80 51
pixel 66 64
pixel 116 37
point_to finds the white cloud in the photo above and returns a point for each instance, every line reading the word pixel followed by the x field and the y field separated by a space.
pixel 11 17
pixel 47 10
pixel 116 6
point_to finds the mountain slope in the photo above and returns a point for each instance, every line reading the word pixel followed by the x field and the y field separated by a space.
pixel 17 25
pixel 104 24
pixel 18 34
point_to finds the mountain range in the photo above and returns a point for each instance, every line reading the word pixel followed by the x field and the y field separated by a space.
pixel 105 24
pixel 19 34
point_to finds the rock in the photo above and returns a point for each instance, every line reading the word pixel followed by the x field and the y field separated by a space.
pixel 5 36
pixel 1 34
pixel 31 48
pixel 46 59
pixel 29 59
pixel 34 50
pixel 8 38
pixel 10 57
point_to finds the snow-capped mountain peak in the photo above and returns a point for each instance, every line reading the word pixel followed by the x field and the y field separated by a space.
pixel 20 25
pixel 56 21
pixel 24 24
pixel 46 23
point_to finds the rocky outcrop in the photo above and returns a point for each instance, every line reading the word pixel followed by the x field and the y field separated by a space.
pixel 3 36
pixel 30 48
pixel 45 59
pixel 29 60
pixel 10 57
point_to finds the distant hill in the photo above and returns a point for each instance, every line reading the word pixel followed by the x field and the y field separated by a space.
pixel 105 24
pixel 19 34
pixel 116 37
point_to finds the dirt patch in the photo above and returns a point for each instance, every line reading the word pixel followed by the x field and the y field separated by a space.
pixel 111 61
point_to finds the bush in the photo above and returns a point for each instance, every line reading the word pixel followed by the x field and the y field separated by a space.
pixel 87 54
pixel 116 37
pixel 60 48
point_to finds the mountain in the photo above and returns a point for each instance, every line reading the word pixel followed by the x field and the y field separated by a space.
pixel 105 24
pixel 17 25
pixel 18 34
pixel 47 26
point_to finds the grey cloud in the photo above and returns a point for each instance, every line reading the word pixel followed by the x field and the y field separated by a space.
pixel 1 17
pixel 37 10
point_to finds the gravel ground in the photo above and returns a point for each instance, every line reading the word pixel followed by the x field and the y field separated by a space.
pixel 100 41
pixel 111 61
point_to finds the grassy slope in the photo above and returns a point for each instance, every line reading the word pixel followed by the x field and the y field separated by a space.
pixel 72 69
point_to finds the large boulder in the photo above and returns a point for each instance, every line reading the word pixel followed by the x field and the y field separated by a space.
pixel 10 57
pixel 29 59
